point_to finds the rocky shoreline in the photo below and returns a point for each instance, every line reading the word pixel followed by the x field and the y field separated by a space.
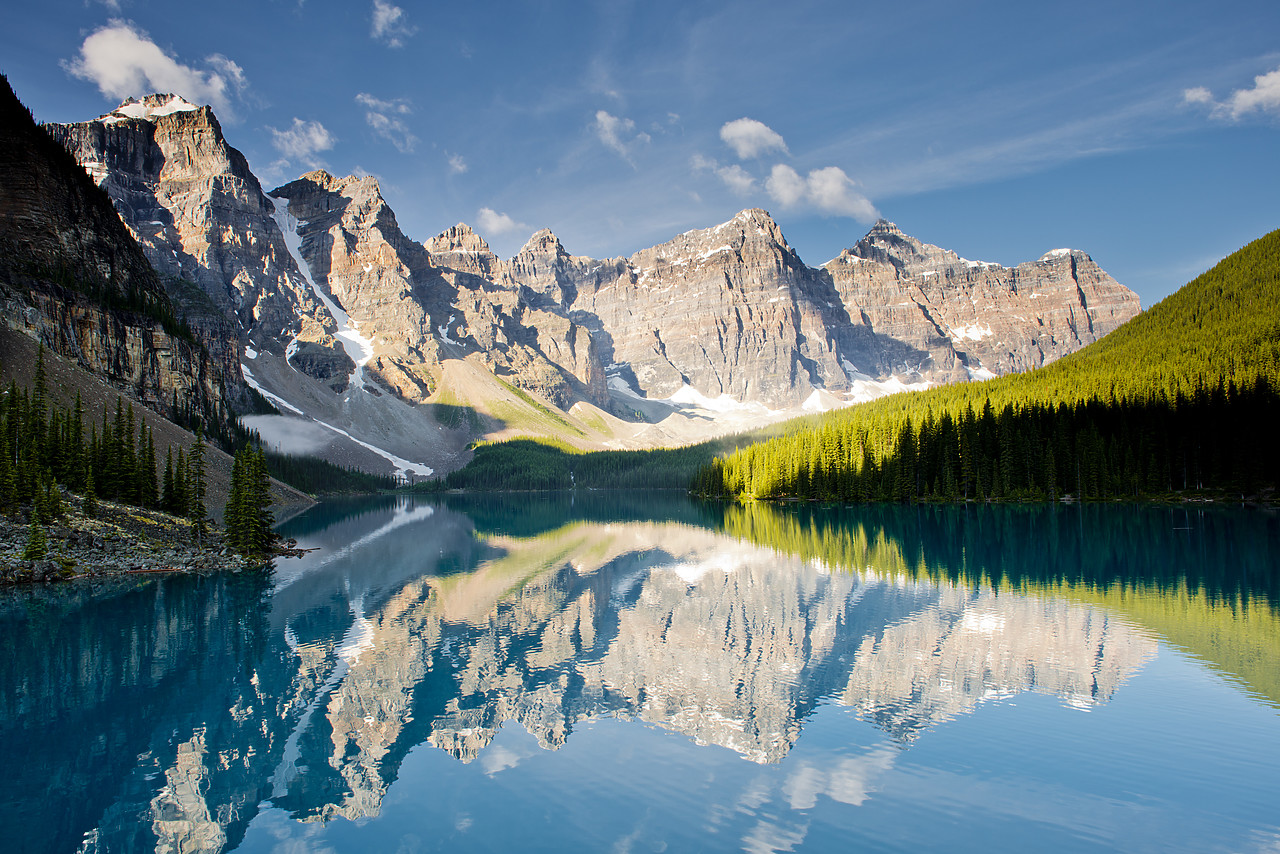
pixel 117 540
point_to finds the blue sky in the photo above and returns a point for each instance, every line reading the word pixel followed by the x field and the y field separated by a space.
pixel 1145 133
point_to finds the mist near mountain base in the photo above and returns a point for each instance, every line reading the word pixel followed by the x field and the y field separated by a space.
pixel 288 435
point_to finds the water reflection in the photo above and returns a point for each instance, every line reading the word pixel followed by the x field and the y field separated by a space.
pixel 164 715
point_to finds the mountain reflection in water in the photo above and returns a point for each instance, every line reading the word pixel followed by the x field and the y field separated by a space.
pixel 163 715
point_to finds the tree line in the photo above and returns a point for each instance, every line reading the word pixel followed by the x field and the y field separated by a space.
pixel 44 446
pixel 1183 397
pixel 1213 440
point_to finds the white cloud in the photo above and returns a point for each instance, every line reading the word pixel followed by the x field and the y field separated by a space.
pixel 1263 97
pixel 382 117
pixel 302 142
pixel 829 190
pixel 834 192
pixel 749 138
pixel 785 186
pixel 390 24
pixel 124 62
pixel 457 165
pixel 737 179
pixel 1198 95
pixel 494 223
pixel 618 134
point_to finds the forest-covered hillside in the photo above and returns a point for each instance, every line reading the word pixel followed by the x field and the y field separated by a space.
pixel 1182 397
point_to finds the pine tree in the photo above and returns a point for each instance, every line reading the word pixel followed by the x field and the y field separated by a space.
pixel 148 493
pixel 53 503
pixel 168 498
pixel 258 504
pixel 37 543
pixel 196 486
pixel 90 506
pixel 234 518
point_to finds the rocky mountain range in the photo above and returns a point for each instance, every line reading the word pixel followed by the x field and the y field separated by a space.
pixel 390 353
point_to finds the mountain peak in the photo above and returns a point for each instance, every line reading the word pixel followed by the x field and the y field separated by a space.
pixel 887 243
pixel 543 240
pixel 149 108
pixel 460 238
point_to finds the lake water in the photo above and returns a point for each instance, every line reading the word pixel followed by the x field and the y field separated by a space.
pixel 637 673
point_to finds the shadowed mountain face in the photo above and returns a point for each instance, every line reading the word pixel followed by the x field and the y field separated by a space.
pixel 718 329
pixel 72 277
pixel 421 624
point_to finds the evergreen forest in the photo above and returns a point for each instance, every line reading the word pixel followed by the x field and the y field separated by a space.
pixel 1181 398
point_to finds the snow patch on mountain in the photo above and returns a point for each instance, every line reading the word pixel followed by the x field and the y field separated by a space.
pixel 971 332
pixel 358 347
pixel 139 108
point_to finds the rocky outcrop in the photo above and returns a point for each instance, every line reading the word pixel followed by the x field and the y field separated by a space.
pixel 72 276
pixel 420 304
pixel 730 310
pixel 200 215
pixel 982 317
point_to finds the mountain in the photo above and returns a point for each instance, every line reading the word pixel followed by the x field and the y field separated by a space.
pixel 72 276
pixel 981 318
pixel 200 216
pixel 401 353
pixel 1181 398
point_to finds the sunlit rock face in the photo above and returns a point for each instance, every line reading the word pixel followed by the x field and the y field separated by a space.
pixel 973 318
pixel 200 215
pixel 72 277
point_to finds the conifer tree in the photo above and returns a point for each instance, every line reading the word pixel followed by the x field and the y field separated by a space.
pixel 37 543
pixel 259 503
pixel 148 493
pixel 196 486
pixel 53 502
pixel 168 499
pixel 90 506
pixel 76 449
pixel 234 516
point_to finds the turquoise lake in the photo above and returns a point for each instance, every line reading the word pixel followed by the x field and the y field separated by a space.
pixel 632 672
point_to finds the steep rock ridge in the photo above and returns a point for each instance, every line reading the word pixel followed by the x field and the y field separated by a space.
pixel 986 318
pixel 516 334
pixel 729 310
pixel 355 250
pixel 72 276
pixel 422 304
pixel 199 213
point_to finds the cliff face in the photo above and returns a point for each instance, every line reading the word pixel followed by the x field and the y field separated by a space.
pixel 420 304
pixel 72 275
pixel 200 215
pixel 730 310
pixel 983 318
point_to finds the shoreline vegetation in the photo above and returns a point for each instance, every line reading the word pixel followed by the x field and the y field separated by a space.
pixel 116 539
pixel 91 502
